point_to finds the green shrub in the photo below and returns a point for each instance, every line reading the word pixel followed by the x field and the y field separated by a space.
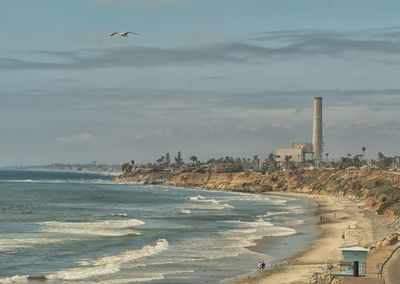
pixel 378 182
pixel 386 205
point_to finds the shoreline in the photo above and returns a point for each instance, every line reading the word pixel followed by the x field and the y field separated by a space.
pixel 360 225
pixel 355 217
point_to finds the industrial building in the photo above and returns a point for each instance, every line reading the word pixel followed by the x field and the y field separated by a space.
pixel 299 150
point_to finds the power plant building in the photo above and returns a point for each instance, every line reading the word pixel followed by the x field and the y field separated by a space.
pixel 299 150
pixel 297 153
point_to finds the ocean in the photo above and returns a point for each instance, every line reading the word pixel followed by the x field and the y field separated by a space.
pixel 66 227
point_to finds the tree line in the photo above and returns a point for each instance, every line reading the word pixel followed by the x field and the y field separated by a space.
pixel 268 164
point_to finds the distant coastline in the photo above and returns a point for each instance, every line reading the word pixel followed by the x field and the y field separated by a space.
pixel 112 171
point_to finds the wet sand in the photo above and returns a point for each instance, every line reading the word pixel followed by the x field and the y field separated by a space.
pixel 340 215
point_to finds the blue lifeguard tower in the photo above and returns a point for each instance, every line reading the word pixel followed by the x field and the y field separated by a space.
pixel 354 263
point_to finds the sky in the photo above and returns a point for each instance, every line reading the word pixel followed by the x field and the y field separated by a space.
pixel 210 78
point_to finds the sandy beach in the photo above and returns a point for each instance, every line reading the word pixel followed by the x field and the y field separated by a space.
pixel 338 215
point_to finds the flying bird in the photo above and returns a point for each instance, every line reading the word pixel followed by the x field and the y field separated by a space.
pixel 123 34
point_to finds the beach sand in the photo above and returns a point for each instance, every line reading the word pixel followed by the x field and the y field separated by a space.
pixel 340 215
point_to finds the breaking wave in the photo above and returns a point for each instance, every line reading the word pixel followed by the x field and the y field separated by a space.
pixel 105 228
pixel 208 204
pixel 102 266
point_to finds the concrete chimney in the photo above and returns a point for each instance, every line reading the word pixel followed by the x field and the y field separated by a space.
pixel 317 131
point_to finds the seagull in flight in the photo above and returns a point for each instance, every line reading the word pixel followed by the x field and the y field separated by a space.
pixel 123 34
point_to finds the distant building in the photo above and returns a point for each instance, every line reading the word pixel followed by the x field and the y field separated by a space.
pixel 295 154
pixel 299 150
pixel 223 168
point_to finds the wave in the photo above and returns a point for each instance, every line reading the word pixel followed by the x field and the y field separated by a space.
pixel 23 243
pixel 119 215
pixel 15 279
pixel 209 204
pixel 19 180
pixel 109 264
pixel 198 197
pixel 185 211
pixel 248 232
pixel 101 266
pixel 105 228
pixel 269 214
pixel 246 197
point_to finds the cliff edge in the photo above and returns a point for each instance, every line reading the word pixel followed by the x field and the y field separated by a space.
pixel 379 190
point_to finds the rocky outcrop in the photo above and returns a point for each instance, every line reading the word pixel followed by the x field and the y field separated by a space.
pixel 379 190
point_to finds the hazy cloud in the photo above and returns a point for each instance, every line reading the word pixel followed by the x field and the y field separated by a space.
pixel 122 4
pixel 282 45
pixel 76 138
pixel 326 42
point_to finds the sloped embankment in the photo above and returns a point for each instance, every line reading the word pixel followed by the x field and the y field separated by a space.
pixel 379 190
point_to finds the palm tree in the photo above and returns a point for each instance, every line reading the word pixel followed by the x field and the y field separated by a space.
pixel 287 159
pixel 178 159
pixel 161 160
pixel 193 159
pixel 363 150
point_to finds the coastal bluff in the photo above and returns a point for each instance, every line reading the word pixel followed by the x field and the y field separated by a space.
pixel 379 190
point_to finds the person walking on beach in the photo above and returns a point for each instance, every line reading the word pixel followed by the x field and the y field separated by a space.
pixel 262 266
pixel 259 266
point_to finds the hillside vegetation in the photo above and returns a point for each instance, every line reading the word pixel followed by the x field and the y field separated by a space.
pixel 379 190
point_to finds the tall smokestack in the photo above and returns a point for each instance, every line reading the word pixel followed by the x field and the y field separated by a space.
pixel 317 131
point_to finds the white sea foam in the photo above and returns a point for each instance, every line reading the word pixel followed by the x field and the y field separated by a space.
pixel 208 204
pixel 246 197
pixel 108 264
pixel 15 279
pixel 22 243
pixel 18 180
pixel 185 211
pixel 248 232
pixel 268 214
pixel 257 223
pixel 103 228
pixel 198 197
pixel 120 215
pixel 278 201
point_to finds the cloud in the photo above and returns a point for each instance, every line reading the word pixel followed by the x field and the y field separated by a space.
pixel 134 56
pixel 279 45
pixel 76 138
pixel 123 4
pixel 67 81
pixel 326 42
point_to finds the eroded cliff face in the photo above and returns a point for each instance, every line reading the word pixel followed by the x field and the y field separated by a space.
pixel 379 190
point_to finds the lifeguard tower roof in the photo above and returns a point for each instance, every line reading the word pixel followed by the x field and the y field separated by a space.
pixel 352 248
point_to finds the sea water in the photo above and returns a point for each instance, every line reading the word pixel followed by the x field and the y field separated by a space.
pixel 78 228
